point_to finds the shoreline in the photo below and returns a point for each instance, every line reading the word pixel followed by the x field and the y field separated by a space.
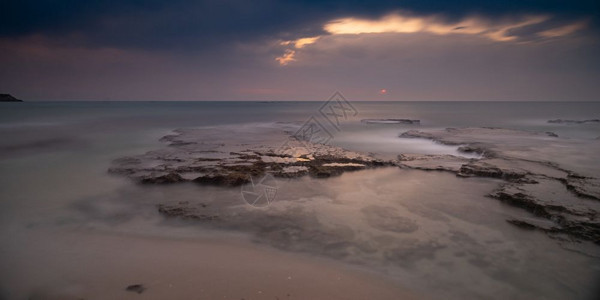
pixel 204 268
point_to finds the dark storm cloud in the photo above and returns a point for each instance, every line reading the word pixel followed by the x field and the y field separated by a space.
pixel 203 24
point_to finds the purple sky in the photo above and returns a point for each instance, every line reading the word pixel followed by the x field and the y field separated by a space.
pixel 300 50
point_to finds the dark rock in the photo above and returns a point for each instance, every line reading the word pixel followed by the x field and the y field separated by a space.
pixel 8 98
pixel 255 169
pixel 483 169
pixel 185 211
pixel 584 230
pixel 390 121
pixel 472 149
pixel 181 143
pixel 136 288
pixel 163 179
pixel 522 200
pixel 522 224
pixel 552 134
pixel 417 134
pixel 231 156
pixel 578 230
pixel 229 179
pixel 432 136
pixel 577 223
pixel 582 186
pixel 324 171
pixel 561 121
pixel 546 189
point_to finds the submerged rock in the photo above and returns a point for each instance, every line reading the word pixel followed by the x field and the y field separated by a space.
pixel 584 187
pixel 416 134
pixel 136 288
pixel 390 121
pixel 167 178
pixel 232 179
pixel 521 224
pixel 567 201
pixel 561 121
pixel 449 163
pixel 473 148
pixel 569 215
pixel 483 169
pixel 185 210
pixel 230 156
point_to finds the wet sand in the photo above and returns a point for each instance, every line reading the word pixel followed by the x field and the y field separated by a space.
pixel 209 268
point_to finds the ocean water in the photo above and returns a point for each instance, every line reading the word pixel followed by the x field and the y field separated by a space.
pixel 54 158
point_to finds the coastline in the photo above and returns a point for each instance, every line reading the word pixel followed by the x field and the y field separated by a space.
pixel 203 268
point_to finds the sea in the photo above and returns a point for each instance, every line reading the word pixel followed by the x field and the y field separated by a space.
pixel 54 157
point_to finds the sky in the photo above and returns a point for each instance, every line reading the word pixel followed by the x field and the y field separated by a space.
pixel 413 50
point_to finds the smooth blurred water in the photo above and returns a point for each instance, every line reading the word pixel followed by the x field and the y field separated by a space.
pixel 53 181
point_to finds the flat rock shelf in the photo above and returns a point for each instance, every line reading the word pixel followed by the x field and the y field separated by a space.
pixel 231 155
pixel 562 199
pixel 566 202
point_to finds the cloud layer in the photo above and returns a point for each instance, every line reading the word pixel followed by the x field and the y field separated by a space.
pixel 298 50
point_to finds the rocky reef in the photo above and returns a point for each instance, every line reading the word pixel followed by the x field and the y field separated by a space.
pixel 230 156
pixel 390 121
pixel 563 198
pixel 563 203
pixel 561 121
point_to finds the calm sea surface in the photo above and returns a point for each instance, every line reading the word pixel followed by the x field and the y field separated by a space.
pixel 54 158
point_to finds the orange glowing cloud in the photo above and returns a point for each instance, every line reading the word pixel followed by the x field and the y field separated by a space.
pixel 404 23
pixel 287 57
pixel 289 54
pixel 398 23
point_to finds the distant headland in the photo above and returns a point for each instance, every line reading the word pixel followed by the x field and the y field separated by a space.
pixel 8 98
